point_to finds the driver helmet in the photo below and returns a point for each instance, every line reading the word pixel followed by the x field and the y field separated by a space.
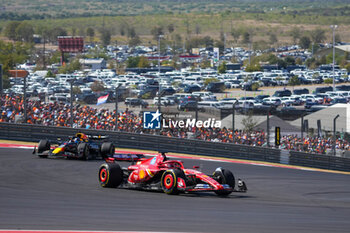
pixel 82 136
pixel 164 156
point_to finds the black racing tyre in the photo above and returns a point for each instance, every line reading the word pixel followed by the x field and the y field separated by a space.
pixel 107 148
pixel 44 145
pixel 224 176
pixel 110 175
pixel 169 181
pixel 83 151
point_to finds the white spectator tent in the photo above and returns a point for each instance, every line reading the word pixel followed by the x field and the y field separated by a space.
pixel 326 116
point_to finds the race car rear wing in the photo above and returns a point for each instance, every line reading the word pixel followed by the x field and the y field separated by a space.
pixel 98 137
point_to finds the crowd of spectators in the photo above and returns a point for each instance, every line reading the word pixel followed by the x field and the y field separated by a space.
pixel 313 144
pixel 58 114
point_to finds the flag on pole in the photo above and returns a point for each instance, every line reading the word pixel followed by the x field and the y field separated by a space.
pixel 102 99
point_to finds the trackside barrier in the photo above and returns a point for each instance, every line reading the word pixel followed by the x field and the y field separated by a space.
pixel 34 133
pixel 319 161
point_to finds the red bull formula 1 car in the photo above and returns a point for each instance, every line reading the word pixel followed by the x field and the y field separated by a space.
pixel 82 146
pixel 169 176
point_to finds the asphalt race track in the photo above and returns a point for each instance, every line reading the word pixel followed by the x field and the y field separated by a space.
pixel 60 194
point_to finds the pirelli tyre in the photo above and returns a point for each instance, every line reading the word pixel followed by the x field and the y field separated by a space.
pixel 83 151
pixel 169 181
pixel 224 176
pixel 110 175
pixel 44 145
pixel 107 149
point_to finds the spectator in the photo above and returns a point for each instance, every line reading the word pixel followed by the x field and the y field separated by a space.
pixel 58 114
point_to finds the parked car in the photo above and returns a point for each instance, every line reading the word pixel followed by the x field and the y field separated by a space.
pixel 301 91
pixel 135 102
pixel 323 89
pixel 208 104
pixel 189 105
pixel 216 87
pixel 339 100
pixel 259 98
pixel 204 95
pixel 191 88
pixel 272 101
pixel 163 101
pixel 282 93
pixel 168 91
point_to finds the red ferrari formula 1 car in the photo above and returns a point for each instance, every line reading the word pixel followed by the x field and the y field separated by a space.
pixel 169 176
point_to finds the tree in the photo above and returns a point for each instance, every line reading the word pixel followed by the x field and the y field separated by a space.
pixel 76 90
pixel 208 41
pixel 6 84
pixel 74 31
pixel 222 68
pixel 295 33
pixel 255 86
pixel 171 28
pixel 222 36
pixel 13 53
pixel 198 29
pixel 49 74
pixel 143 62
pixel 272 59
pixel 132 62
pixel 210 80
pixel 347 67
pixel 318 35
pixel 70 67
pixel 294 81
pixel 82 32
pixel 328 81
pixel 337 38
pixel 156 32
pixel 298 61
pixel 281 63
pixel 122 30
pixel 305 42
pixel 90 32
pixel 290 61
pixel 196 42
pixel 337 58
pixel 253 67
pixel 249 123
pixel 177 40
pixel 10 30
pixel 55 32
pixel 131 32
pixel 246 38
pixel 205 63
pixel 235 33
pixel 134 41
pixel 261 45
pixel 273 38
pixel 25 32
pixel 105 37
pixel 188 30
pixel 97 86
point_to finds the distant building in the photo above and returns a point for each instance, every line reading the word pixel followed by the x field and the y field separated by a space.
pixel 339 50
pixel 326 117
pixel 233 66
pixel 93 64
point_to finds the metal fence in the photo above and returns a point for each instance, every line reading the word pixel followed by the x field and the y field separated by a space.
pixel 34 133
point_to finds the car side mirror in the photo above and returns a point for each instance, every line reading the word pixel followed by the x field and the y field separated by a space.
pixel 195 167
